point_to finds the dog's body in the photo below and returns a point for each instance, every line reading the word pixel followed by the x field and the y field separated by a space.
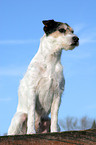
pixel 41 88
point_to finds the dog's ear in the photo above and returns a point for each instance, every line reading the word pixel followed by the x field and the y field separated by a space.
pixel 50 26
pixel 48 22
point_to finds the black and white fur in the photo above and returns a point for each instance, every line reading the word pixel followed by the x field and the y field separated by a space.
pixel 41 88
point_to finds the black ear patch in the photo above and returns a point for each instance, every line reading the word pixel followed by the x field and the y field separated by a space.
pixel 50 26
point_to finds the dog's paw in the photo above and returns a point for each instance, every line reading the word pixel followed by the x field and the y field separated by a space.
pixel 31 132
pixel 54 128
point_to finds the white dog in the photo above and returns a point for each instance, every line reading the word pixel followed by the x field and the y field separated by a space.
pixel 41 88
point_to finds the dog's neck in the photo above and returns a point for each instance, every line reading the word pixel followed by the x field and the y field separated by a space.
pixel 48 55
pixel 49 48
pixel 49 52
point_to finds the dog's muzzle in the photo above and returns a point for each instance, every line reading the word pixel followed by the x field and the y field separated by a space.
pixel 75 41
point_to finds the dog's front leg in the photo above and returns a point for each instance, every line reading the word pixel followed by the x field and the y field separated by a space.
pixel 54 114
pixel 31 112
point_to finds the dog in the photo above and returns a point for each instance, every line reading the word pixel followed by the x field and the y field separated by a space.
pixel 42 86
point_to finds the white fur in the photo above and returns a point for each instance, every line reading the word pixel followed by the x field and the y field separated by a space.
pixel 41 88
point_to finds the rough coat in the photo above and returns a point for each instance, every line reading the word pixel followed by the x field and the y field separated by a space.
pixel 42 86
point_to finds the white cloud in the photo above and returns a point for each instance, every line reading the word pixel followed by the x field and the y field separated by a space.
pixel 79 27
pixel 6 99
pixel 18 41
pixel 86 39
pixel 77 54
pixel 12 71
pixel 86 33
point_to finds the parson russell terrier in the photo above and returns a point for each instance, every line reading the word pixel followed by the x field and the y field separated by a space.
pixel 41 88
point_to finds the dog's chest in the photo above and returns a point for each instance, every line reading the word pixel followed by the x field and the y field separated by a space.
pixel 58 80
pixel 50 85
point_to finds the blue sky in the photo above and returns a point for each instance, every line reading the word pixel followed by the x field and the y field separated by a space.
pixel 20 31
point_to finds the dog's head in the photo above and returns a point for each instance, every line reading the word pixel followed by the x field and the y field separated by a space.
pixel 62 33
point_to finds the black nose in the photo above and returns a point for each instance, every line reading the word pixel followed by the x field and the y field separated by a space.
pixel 75 39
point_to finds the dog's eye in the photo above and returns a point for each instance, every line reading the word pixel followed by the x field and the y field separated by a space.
pixel 72 31
pixel 62 30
